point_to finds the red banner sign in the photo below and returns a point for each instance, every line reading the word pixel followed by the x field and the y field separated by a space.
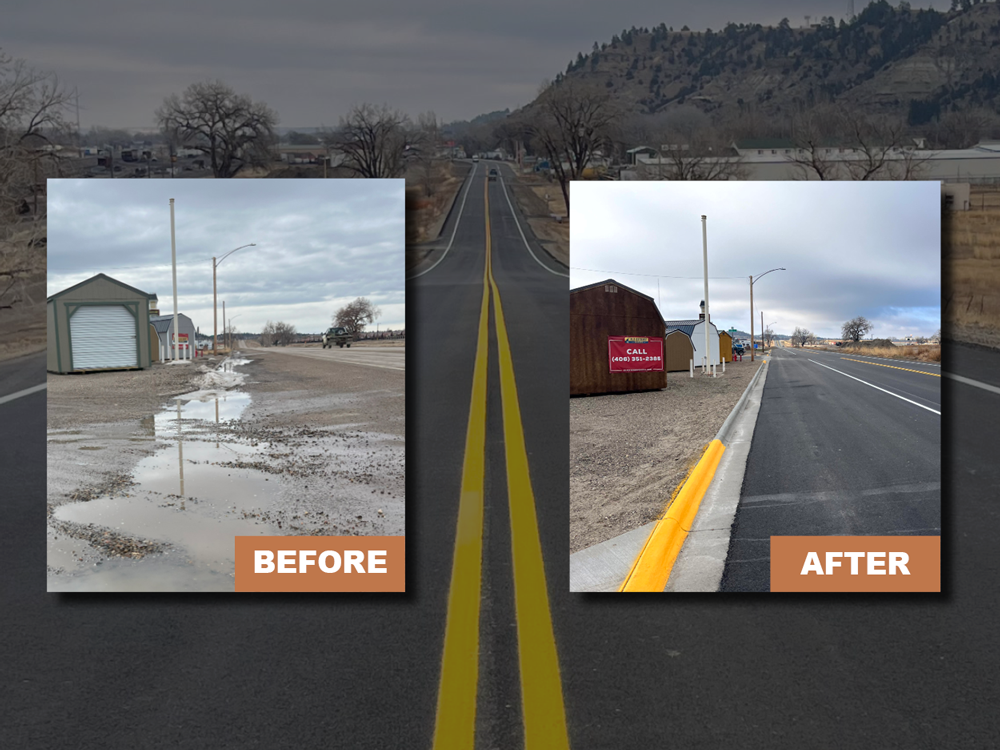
pixel 635 354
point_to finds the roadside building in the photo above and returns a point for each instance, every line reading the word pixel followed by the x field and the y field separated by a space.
pixel 99 324
pixel 725 346
pixel 695 329
pixel 678 351
pixel 616 340
pixel 164 325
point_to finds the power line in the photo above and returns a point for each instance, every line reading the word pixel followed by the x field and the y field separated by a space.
pixel 653 275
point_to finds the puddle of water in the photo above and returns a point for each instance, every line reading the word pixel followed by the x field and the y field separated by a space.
pixel 181 496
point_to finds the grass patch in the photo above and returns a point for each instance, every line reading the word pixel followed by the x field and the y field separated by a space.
pixel 921 353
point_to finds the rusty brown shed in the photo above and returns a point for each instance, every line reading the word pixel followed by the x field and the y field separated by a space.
pixel 678 351
pixel 596 312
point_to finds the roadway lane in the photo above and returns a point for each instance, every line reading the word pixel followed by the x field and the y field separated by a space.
pixel 362 671
pixel 835 453
pixel 384 357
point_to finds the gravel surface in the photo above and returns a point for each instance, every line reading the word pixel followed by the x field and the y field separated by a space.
pixel 118 396
pixel 629 452
pixel 323 442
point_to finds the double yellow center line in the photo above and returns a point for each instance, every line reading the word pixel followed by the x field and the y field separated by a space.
pixel 892 367
pixel 541 687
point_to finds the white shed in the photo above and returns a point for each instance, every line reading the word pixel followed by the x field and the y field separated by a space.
pixel 696 330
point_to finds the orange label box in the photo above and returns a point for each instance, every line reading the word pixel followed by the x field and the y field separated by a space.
pixel 856 563
pixel 320 563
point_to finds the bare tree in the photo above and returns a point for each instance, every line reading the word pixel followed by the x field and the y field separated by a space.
pixel 570 122
pixel 856 328
pixel 231 129
pixel 768 337
pixel 356 315
pixel 802 336
pixel 32 106
pixel 373 141
pixel 284 333
pixel 837 143
pixel 690 147
pixel 815 134
pixel 267 334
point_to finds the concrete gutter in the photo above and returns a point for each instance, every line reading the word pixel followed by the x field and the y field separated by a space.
pixel 659 556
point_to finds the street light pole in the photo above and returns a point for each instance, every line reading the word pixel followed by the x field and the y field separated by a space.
pixel 173 261
pixel 752 282
pixel 215 297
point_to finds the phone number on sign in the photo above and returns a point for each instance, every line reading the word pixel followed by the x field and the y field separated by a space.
pixel 650 358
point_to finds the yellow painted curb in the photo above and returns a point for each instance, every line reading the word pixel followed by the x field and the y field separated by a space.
pixel 652 567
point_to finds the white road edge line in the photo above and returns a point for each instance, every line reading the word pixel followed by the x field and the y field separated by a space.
pixel 876 387
pixel 458 219
pixel 25 392
pixel 521 231
pixel 970 381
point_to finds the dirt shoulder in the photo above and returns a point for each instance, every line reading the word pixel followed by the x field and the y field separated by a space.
pixel 120 396
pixel 529 191
pixel 629 452
pixel 290 391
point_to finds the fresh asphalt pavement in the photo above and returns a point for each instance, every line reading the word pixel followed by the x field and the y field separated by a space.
pixel 843 446
pixel 362 671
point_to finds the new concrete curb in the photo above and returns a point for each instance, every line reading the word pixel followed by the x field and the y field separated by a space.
pixel 606 567
pixel 701 562
pixel 727 426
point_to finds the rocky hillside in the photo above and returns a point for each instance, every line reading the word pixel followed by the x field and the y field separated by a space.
pixel 915 63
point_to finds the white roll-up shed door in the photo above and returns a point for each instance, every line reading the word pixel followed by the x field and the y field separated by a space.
pixel 103 337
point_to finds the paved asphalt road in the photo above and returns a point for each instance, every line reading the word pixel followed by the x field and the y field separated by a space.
pixel 363 671
pixel 832 455
pixel 385 357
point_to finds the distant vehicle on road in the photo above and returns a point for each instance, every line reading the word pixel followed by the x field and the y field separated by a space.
pixel 493 174
pixel 475 158
pixel 338 336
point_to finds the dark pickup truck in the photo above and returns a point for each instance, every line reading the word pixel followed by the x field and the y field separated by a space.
pixel 338 336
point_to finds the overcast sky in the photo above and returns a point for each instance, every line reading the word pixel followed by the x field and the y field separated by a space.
pixel 311 60
pixel 319 245
pixel 850 248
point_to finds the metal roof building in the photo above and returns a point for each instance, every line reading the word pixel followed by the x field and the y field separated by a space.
pixel 98 324
pixel 164 325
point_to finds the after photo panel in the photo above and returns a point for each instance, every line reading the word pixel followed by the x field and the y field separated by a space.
pixel 755 387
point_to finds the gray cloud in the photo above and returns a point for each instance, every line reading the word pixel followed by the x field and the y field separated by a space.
pixel 850 248
pixel 312 60
pixel 320 244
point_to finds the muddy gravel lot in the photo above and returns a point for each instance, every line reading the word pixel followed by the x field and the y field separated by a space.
pixel 151 474
pixel 629 452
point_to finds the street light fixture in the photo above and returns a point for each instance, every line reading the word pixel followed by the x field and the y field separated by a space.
pixel 215 302
pixel 772 332
pixel 752 281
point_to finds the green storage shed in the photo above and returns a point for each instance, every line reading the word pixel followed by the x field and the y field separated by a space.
pixel 99 324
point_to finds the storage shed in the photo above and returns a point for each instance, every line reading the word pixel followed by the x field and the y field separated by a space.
pixel 164 325
pixel 678 351
pixel 603 312
pixel 695 329
pixel 98 324
pixel 725 346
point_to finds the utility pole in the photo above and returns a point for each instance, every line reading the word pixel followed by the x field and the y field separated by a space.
pixel 751 318
pixel 224 337
pixel 761 331
pixel 704 251
pixel 173 260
